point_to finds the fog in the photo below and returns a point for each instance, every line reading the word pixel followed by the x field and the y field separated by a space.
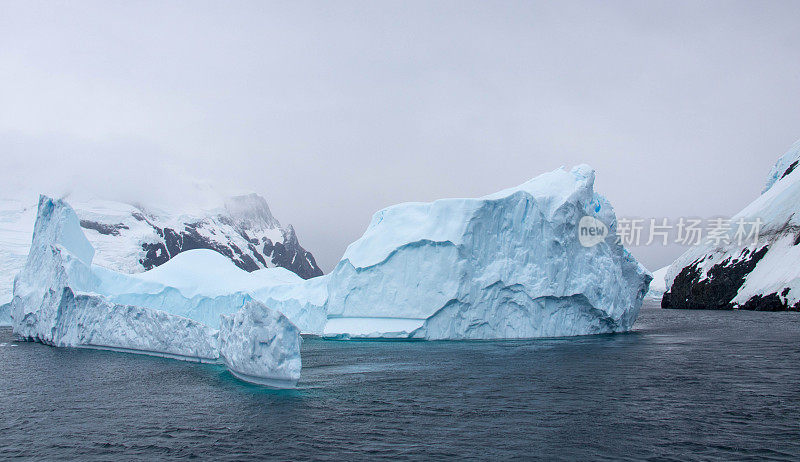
pixel 332 111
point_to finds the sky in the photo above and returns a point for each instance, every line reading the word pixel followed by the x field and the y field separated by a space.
pixel 334 110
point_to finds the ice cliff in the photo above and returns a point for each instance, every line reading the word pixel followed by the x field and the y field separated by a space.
pixel 507 265
pixel 255 339
pixel 754 274
pixel 61 299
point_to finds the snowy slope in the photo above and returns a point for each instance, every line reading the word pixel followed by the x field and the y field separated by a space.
pixel 507 265
pixel 659 285
pixel 760 275
pixel 134 238
pixel 59 299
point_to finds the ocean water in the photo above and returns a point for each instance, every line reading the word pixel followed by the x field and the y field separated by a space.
pixel 706 385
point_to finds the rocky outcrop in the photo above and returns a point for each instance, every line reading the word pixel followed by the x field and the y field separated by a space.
pixel 760 272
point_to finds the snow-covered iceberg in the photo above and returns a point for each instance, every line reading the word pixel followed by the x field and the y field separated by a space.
pixel 507 265
pixel 61 299
pixel 754 274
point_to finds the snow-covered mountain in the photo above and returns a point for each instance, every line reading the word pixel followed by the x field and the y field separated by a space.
pixel 132 238
pixel 762 275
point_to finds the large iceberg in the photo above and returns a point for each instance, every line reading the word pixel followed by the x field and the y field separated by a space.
pixel 61 299
pixel 507 265
pixel 739 271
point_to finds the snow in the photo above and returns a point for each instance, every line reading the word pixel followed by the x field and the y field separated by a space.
pixel 783 163
pixel 251 210
pixel 776 271
pixel 658 285
pixel 194 272
pixel 507 265
pixel 61 299
pixel 777 208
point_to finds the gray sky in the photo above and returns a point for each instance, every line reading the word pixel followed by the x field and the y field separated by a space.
pixel 333 110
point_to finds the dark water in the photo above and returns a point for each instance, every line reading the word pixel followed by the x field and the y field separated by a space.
pixel 684 385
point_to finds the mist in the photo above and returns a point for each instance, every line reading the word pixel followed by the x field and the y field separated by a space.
pixel 333 111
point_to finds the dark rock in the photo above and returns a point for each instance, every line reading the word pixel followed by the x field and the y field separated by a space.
pixel 288 254
pixel 769 302
pixel 790 169
pixel 715 292
pixel 102 228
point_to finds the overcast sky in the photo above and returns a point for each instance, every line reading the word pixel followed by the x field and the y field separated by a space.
pixel 333 110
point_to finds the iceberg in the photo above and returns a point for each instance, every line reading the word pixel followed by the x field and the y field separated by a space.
pixel 504 266
pixel 255 339
pixel 61 299
pixel 514 264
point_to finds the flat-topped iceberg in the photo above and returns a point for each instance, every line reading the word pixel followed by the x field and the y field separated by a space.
pixel 507 265
pixel 61 299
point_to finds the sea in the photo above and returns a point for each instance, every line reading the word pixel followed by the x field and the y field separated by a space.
pixel 683 385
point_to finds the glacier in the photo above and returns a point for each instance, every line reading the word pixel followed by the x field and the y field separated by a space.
pixel 658 285
pixel 761 274
pixel 61 299
pixel 504 266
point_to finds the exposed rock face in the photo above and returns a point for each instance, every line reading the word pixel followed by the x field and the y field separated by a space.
pixel 244 231
pixel 761 275
pixel 715 288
